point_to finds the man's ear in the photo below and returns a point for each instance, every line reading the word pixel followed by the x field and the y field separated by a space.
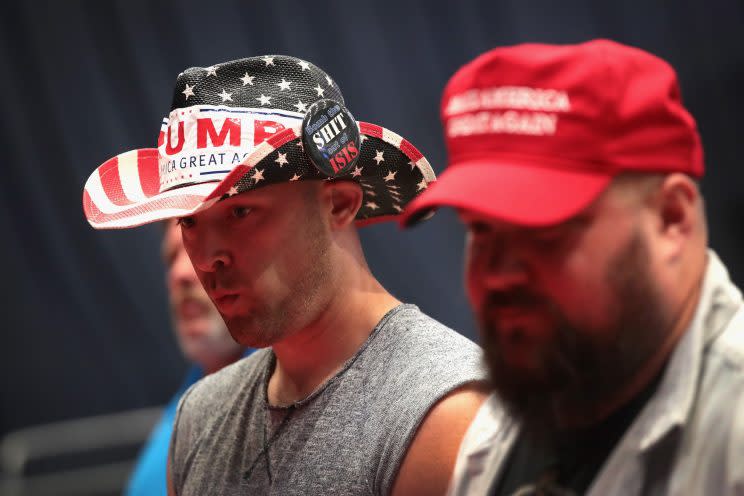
pixel 678 205
pixel 345 201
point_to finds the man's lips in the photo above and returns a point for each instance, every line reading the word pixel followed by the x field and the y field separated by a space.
pixel 527 317
pixel 225 301
pixel 510 312
pixel 191 308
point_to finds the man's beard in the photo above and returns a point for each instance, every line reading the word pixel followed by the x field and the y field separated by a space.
pixel 579 369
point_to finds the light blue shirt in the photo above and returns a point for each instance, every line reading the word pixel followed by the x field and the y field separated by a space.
pixel 689 437
pixel 149 475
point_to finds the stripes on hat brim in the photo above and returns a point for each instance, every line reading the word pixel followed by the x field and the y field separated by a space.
pixel 403 144
pixel 125 192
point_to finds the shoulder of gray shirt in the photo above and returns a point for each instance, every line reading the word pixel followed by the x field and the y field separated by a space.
pixel 403 332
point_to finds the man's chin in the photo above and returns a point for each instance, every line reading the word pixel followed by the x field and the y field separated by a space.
pixel 545 400
pixel 246 331
pixel 194 328
pixel 529 384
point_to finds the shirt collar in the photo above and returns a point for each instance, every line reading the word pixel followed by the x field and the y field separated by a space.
pixel 672 403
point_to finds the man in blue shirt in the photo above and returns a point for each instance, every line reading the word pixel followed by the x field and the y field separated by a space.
pixel 204 340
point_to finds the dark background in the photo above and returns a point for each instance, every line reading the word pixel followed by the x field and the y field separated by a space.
pixel 85 328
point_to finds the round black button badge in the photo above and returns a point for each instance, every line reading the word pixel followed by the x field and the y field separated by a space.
pixel 330 136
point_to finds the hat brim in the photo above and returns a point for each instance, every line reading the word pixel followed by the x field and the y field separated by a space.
pixel 518 193
pixel 125 192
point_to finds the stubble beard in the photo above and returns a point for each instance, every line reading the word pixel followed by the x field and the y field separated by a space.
pixel 277 320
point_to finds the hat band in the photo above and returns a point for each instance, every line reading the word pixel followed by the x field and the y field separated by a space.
pixel 204 143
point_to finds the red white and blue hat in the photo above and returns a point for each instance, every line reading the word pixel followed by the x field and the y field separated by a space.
pixel 240 125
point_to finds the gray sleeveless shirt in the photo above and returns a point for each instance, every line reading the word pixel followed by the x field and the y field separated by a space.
pixel 348 437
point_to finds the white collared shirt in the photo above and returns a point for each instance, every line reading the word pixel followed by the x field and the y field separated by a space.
pixel 689 437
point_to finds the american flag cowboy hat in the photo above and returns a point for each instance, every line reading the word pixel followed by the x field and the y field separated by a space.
pixel 234 127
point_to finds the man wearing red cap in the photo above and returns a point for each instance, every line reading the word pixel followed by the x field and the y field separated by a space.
pixel 613 335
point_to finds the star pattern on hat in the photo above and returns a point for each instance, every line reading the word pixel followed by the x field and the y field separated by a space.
pixel 384 192
pixel 284 83
pixel 189 91
pixel 281 159
pixel 276 81
pixel 378 157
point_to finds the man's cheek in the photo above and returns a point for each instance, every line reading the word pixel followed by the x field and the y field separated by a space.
pixel 473 283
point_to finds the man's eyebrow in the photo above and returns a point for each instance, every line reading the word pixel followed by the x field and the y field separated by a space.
pixel 579 221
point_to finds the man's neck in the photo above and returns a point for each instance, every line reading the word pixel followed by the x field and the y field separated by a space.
pixel 212 367
pixel 311 356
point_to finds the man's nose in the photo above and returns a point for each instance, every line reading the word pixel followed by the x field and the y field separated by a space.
pixel 503 266
pixel 207 251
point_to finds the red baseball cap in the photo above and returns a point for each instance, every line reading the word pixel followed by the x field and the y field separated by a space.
pixel 536 132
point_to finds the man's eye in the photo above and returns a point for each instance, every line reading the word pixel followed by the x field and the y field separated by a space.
pixel 478 228
pixel 185 222
pixel 548 239
pixel 240 212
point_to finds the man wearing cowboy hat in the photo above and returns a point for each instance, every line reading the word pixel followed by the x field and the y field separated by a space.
pixel 614 336
pixel 269 175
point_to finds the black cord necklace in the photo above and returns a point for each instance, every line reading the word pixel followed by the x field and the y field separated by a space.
pixel 266 444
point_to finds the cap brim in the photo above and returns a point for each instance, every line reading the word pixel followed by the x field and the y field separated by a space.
pixel 125 190
pixel 522 194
